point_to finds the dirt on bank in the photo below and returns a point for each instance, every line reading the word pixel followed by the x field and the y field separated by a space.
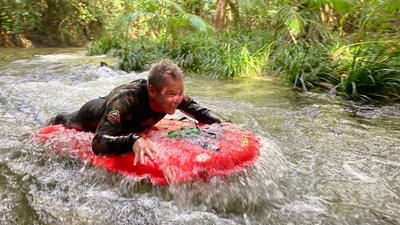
pixel 39 40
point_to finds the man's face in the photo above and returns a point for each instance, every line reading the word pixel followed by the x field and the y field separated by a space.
pixel 168 98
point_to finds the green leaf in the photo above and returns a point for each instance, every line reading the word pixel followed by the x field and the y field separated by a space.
pixel 197 22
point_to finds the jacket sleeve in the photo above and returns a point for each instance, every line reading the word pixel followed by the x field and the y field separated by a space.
pixel 109 138
pixel 194 110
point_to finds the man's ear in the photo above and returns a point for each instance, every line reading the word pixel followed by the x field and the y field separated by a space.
pixel 152 90
pixel 150 87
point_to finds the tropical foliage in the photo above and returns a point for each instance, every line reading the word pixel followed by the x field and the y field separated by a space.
pixel 53 22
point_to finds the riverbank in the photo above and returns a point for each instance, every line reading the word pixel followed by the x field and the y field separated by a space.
pixel 366 71
pixel 346 48
pixel 35 40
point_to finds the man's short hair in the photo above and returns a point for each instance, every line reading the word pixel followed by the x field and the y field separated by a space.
pixel 160 70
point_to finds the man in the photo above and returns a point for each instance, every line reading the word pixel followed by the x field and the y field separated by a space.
pixel 133 107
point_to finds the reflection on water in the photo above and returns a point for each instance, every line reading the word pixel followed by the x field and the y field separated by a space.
pixel 323 161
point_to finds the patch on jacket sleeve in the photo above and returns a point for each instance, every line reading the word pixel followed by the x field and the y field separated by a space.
pixel 114 117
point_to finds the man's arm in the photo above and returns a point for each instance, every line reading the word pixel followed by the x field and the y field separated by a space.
pixel 108 141
pixel 201 114
pixel 108 138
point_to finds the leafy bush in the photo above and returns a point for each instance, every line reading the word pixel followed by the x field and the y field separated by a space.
pixel 302 65
pixel 107 45
pixel 370 71
pixel 139 54
pixel 361 71
pixel 223 55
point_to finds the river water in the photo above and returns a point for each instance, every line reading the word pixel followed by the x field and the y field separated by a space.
pixel 323 160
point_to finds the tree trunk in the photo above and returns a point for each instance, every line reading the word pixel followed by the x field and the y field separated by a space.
pixel 235 12
pixel 220 14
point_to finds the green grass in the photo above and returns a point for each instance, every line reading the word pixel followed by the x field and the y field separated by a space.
pixel 108 45
pixel 364 71
pixel 220 56
pixel 302 65
pixel 371 72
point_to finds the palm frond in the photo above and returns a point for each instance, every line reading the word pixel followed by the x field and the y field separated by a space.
pixel 127 20
pixel 342 6
pixel 197 22
pixel 292 19
pixel 174 5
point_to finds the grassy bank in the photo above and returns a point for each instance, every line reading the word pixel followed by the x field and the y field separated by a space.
pixel 221 56
pixel 348 48
pixel 365 71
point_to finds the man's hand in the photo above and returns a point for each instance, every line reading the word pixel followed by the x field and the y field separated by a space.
pixel 140 148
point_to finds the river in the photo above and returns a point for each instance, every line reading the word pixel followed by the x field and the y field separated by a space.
pixel 323 160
